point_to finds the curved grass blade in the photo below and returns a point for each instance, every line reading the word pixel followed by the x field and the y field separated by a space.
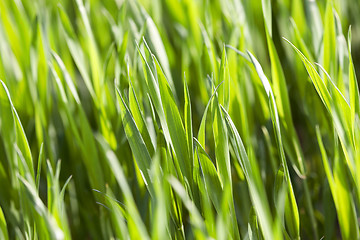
pixel 291 212
pixel 175 125
pixel 212 182
pixel 136 142
pixel 195 217
pixel 14 131
pixel 135 225
pixel 255 184
pixel 3 228
pixel 341 193
pixel 353 87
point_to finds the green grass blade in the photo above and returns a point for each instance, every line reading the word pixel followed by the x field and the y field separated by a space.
pixel 292 213
pixel 76 50
pixel 316 79
pixel 17 133
pixel 188 119
pixel 353 86
pixel 212 181
pixel 136 142
pixel 329 50
pixel 52 229
pixel 224 95
pixel 159 50
pixel 266 5
pixel 341 193
pixel 175 125
pixel 132 213
pixel 3 228
pixel 38 171
pixel 134 106
pixel 256 188
pixel 195 216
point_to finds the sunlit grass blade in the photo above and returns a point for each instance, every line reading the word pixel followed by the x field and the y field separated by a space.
pixel 95 65
pixel 329 42
pixel 175 125
pixel 251 172
pixel 83 134
pixel 76 50
pixel 221 143
pixel 51 230
pixel 279 87
pixel 14 130
pixel 224 76
pixel 211 176
pixel 353 87
pixel 341 193
pixel 3 228
pixel 135 224
pixel 195 217
pixel 188 119
pixel 317 80
pixel 291 212
pixel 136 142
pixel 159 50
pixel 139 119
pixel 338 108
pixel 38 171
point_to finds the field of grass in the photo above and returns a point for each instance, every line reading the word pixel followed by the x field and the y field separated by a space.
pixel 179 119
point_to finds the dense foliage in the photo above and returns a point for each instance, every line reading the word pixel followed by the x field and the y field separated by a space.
pixel 170 119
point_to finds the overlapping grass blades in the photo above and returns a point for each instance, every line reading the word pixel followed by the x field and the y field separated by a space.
pixel 179 119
